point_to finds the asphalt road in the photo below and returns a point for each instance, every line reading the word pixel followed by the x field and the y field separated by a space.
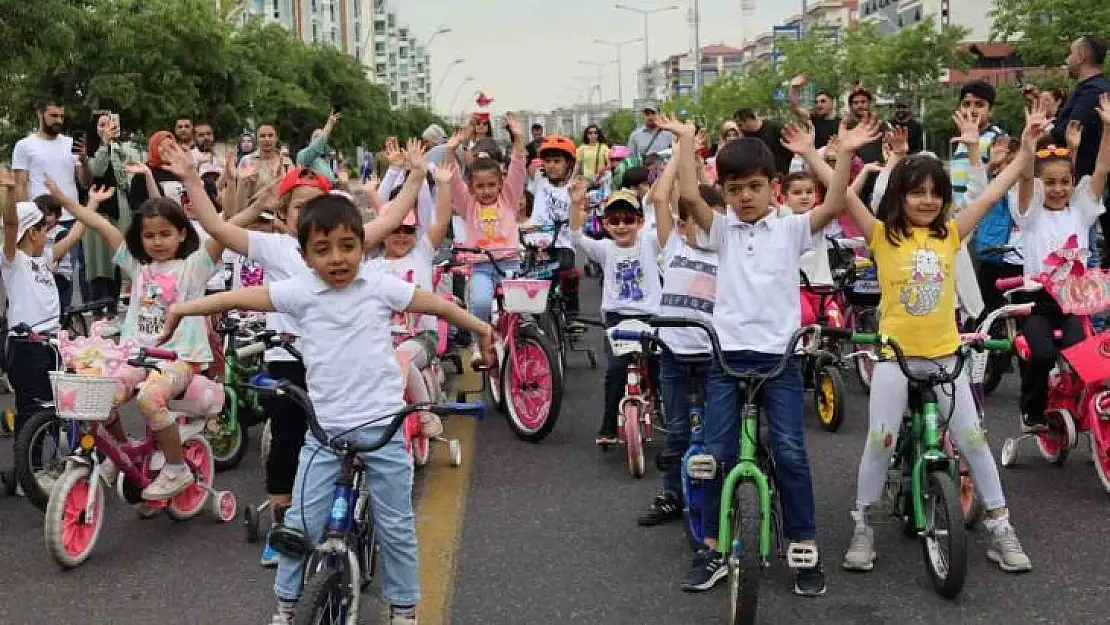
pixel 545 534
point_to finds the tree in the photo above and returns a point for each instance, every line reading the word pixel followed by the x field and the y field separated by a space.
pixel 1042 30
pixel 619 125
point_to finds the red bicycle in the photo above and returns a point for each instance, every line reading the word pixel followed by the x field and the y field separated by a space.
pixel 641 406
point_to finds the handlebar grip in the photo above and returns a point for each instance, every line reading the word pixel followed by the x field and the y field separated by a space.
pixel 628 335
pixel 997 345
pixel 1005 284
pixel 865 339
pixel 837 333
pixel 250 350
pixel 159 353
pixel 475 409
pixel 264 383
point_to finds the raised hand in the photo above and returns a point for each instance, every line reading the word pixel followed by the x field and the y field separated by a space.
pixel 1036 118
pixel 799 81
pixel 393 154
pixel 675 126
pixel 577 191
pixel 458 139
pixel 136 168
pixel 513 122
pixel 1104 108
pixel 445 173
pixel 865 132
pixel 414 154
pixel 177 161
pixel 1073 135
pixel 99 194
pixel 370 187
pixel 967 127
pixel 798 138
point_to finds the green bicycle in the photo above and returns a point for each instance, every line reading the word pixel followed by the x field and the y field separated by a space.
pixel 922 489
pixel 242 359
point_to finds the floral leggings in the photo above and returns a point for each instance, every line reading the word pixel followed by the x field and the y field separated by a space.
pixel 171 380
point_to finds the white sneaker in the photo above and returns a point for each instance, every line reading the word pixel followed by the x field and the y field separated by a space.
pixel 1005 550
pixel 861 549
pixel 431 425
pixel 168 484
pixel 395 619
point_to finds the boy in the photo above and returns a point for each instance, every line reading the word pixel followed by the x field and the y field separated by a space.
pixel 343 308
pixel 976 98
pixel 631 287
pixel 756 311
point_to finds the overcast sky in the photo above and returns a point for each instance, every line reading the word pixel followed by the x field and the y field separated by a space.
pixel 525 53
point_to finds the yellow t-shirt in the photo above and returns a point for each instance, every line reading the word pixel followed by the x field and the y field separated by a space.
pixel 593 162
pixel 917 281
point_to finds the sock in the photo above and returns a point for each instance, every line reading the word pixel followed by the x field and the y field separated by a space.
pixel 407 611
pixel 999 525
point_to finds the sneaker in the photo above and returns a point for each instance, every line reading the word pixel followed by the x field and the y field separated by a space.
pixel 1006 551
pixel 270 556
pixel 430 425
pixel 605 437
pixel 280 619
pixel 861 550
pixel 809 582
pixel 707 569
pixel 1031 424
pixel 109 473
pixel 665 507
pixel 168 484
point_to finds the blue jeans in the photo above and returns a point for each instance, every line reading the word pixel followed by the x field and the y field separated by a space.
pixel 482 282
pixel 675 381
pixel 781 400
pixel 389 477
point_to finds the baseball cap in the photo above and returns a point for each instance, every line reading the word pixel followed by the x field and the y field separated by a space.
pixel 303 177
pixel 625 199
pixel 434 134
pixel 651 106
pixel 29 217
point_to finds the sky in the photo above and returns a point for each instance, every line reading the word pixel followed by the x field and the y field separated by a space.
pixel 527 54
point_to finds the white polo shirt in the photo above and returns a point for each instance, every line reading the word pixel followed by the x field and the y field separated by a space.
pixel 352 374
pixel 758 304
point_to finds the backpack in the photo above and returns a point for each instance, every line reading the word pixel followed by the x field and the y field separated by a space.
pixel 994 230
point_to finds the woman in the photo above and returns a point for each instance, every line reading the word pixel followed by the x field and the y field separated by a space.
pixel 593 155
pixel 246 146
pixel 269 163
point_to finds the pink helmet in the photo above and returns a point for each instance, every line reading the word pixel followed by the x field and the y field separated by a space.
pixel 619 153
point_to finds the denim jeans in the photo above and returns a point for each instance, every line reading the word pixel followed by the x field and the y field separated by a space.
pixel 482 282
pixel 616 375
pixel 675 381
pixel 781 400
pixel 389 477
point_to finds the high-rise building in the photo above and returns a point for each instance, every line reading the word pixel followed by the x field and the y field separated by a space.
pixel 368 30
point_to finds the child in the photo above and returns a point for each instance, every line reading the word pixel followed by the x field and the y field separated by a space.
pixel 63 267
pixel 630 281
pixel 800 190
pixel 489 202
pixel 410 259
pixel 998 227
pixel 343 307
pixel 756 311
pixel 27 269
pixel 280 256
pixel 1050 210
pixel 915 248
pixel 552 208
pixel 689 290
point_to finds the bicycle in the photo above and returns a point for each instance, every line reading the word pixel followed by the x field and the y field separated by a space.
pixel 641 405
pixel 748 521
pixel 822 362
pixel 347 553
pixel 526 382
pixel 857 279
pixel 999 364
pixel 75 512
pixel 242 357
pixel 922 479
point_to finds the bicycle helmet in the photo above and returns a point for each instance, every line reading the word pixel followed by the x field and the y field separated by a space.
pixel 559 144
pixel 619 153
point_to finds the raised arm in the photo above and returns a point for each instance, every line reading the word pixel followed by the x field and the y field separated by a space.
pixel 92 219
pixel 376 231
pixel 517 176
pixel 11 217
pixel 699 211
pixel 1102 161
pixel 796 107
pixel 180 165
pixel 251 298
pixel 444 175
pixel 662 198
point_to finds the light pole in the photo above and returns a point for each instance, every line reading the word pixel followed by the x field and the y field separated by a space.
pixel 466 81
pixel 697 48
pixel 600 66
pixel 442 30
pixel 446 73
pixel 646 13
pixel 589 89
pixel 619 45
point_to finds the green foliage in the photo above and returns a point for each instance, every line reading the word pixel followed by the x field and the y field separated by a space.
pixel 1042 30
pixel 619 125
pixel 154 60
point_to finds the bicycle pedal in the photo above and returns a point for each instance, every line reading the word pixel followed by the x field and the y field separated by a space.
pixel 289 541
pixel 802 556
pixel 701 467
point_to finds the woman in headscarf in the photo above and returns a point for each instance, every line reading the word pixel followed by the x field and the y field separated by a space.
pixel 246 146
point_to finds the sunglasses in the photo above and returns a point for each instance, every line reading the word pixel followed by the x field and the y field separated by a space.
pixel 405 230
pixel 1052 151
pixel 622 219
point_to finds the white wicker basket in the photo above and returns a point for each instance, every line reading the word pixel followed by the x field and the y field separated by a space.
pixel 525 296
pixel 83 397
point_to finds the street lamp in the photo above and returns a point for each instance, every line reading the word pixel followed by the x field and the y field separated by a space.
pixel 446 73
pixel 466 81
pixel 619 45
pixel 600 66
pixel 442 30
pixel 646 13
pixel 589 89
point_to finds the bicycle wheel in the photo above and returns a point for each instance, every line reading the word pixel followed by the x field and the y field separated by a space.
pixel 326 600
pixel 828 398
pixel 944 541
pixel 368 555
pixel 40 451
pixel 634 442
pixel 230 441
pixel 743 555
pixel 533 392
pixel 70 531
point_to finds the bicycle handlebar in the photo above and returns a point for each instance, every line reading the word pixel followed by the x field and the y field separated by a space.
pixel 941 375
pixel 1034 283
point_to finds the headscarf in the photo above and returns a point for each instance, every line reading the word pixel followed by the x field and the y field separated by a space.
pixel 153 158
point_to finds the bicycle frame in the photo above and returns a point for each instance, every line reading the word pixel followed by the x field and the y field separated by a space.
pixel 922 449
pixel 638 388
pixel 747 468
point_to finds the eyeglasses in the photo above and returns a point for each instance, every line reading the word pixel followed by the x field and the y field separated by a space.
pixel 405 230
pixel 1051 151
pixel 622 219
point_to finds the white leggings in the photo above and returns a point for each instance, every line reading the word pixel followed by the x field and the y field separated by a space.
pixel 412 352
pixel 889 396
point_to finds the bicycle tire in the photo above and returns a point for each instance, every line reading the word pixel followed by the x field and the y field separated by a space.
pixel 743 567
pixel 940 487
pixel 22 450
pixel 530 334
pixel 317 595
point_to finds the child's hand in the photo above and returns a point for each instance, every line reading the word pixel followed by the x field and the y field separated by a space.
pixel 1104 108
pixel 456 140
pixel 577 192
pixel 865 132
pixel 1036 118
pixel 137 168
pixel 676 127
pixel 798 138
pixel 393 154
pixel 414 153
pixel 99 194
pixel 899 141
pixel 177 161
pixel 1074 133
pixel 445 173
pixel 967 127
pixel 485 344
pixel 53 188
pixel 513 122
pixel 173 319
pixel 700 141
pixel 370 187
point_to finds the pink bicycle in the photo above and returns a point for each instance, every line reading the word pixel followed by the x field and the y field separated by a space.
pixel 75 512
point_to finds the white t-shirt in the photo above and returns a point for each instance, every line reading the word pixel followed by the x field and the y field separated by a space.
pixel 552 204
pixel 39 157
pixel 689 291
pixel 63 267
pixel 416 268
pixel 32 292
pixel 758 303
pixel 352 374
pixel 280 258
pixel 243 272
pixel 631 283
pixel 815 262
pixel 218 280
pixel 1045 231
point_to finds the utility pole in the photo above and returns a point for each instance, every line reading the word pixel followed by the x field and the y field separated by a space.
pixel 697 47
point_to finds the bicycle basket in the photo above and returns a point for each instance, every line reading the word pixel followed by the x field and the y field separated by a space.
pixel 83 397
pixel 1090 359
pixel 525 296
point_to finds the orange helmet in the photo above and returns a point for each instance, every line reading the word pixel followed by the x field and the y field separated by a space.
pixel 559 143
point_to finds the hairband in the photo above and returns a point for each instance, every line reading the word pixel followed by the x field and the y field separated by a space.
pixel 1051 151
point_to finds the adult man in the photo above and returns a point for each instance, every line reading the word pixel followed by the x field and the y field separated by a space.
pixel 767 131
pixel 183 132
pixel 859 108
pixel 1085 65
pixel 823 117
pixel 903 117
pixel 533 148
pixel 203 155
pixel 50 153
pixel 650 138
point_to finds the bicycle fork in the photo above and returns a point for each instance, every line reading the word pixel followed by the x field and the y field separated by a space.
pixel 747 469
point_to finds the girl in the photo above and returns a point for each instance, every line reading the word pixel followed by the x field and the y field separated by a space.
pixel 999 227
pixel 162 256
pixel 1051 209
pixel 410 259
pixel 488 203
pixel 800 191
pixel 915 248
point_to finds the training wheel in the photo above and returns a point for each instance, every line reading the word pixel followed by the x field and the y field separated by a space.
pixel 455 449
pixel 223 505
pixel 1009 452
pixel 250 524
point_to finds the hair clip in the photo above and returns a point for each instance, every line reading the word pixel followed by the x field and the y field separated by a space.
pixel 1051 151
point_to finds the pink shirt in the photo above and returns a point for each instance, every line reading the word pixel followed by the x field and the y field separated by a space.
pixel 493 227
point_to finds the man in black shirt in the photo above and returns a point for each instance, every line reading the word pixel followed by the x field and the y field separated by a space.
pixel 903 116
pixel 767 131
pixel 825 121
pixel 859 105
